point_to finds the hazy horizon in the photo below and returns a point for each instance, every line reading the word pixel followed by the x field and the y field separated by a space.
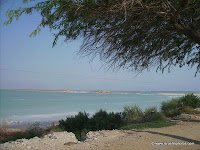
pixel 90 90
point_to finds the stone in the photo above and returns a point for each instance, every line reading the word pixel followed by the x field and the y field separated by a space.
pixel 28 147
pixel 36 138
pixel 197 109
pixel 19 140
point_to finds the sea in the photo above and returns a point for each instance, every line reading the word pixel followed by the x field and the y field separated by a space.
pixel 17 106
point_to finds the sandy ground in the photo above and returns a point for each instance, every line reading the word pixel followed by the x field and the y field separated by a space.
pixel 148 139
pixel 184 133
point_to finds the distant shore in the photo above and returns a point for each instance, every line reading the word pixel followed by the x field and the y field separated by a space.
pixel 26 124
pixel 166 93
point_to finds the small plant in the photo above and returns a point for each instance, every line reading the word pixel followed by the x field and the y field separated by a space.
pixel 158 116
pixel 155 115
pixel 190 100
pixel 185 104
pixel 190 110
pixel 32 131
pixel 132 113
pixel 150 109
pixel 56 129
pixel 171 108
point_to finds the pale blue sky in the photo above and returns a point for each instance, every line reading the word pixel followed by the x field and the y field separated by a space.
pixel 32 63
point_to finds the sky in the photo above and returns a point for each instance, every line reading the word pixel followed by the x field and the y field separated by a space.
pixel 32 63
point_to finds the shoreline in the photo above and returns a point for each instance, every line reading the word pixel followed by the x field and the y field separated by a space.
pixel 96 90
pixel 164 93
pixel 26 124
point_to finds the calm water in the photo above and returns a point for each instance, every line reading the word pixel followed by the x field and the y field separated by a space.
pixel 42 106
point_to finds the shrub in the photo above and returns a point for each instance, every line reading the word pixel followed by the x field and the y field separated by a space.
pixel 190 110
pixel 154 115
pixel 132 113
pixel 75 124
pixel 107 121
pixel 158 116
pixel 32 131
pixel 150 109
pixel 185 104
pixel 190 100
pixel 171 108
pixel 80 124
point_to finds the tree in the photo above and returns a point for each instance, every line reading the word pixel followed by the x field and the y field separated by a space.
pixel 128 34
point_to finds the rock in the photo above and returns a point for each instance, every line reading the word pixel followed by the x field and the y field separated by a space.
pixel 187 117
pixel 36 138
pixel 49 142
pixel 65 137
pixel 6 145
pixel 19 140
pixel 176 120
pixel 197 109
pixel 28 147
pixel 52 137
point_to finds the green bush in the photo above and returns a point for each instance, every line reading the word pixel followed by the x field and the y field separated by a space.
pixel 80 124
pixel 176 106
pixel 190 110
pixel 155 116
pixel 107 121
pixel 132 113
pixel 171 108
pixel 190 100
pixel 150 109
pixel 76 124
pixel 158 116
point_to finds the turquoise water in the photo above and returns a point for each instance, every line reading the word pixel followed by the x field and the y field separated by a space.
pixel 30 106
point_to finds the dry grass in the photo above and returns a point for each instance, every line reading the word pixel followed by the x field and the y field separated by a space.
pixel 8 134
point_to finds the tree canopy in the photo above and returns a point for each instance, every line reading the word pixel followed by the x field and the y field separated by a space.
pixel 128 34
